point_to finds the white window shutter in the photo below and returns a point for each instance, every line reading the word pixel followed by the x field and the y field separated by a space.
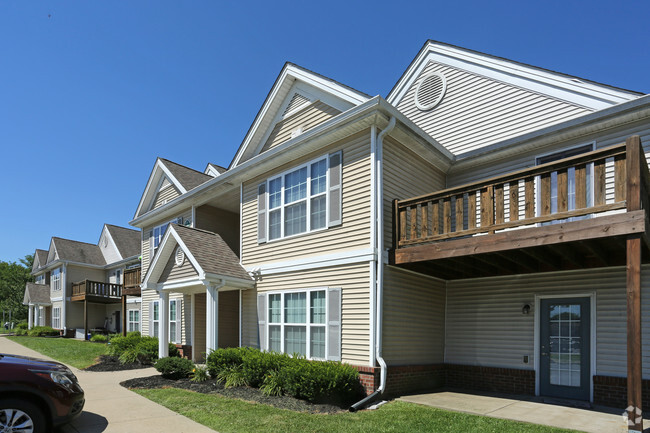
pixel 261 213
pixel 335 196
pixel 151 334
pixel 261 320
pixel 179 304
pixel 334 324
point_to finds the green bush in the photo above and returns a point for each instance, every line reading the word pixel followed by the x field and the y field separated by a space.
pixel 135 348
pixel 20 331
pixel 99 338
pixel 174 368
pixel 42 331
pixel 21 325
pixel 199 374
pixel 277 374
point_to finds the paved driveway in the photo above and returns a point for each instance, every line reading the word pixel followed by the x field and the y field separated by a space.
pixel 111 408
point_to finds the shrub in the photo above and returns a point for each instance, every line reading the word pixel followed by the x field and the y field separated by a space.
pixel 174 368
pixel 136 348
pixel 199 374
pixel 20 331
pixel 221 359
pixel 232 376
pixel 21 325
pixel 42 331
pixel 99 338
pixel 273 384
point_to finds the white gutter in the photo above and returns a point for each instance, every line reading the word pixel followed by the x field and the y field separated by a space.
pixel 379 191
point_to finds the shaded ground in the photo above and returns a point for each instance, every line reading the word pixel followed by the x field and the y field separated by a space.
pixel 243 393
pixel 112 363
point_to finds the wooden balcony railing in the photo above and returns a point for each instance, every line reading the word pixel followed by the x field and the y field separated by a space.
pixel 584 185
pixel 132 282
pixel 96 288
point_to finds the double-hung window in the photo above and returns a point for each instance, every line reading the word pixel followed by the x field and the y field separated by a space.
pixel 304 199
pixel 134 320
pixel 155 318
pixel 55 279
pixel 40 279
pixel 56 317
pixel 305 323
pixel 174 322
pixel 158 232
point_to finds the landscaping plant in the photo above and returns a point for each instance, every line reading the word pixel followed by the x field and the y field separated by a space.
pixel 199 374
pixel 174 368
pixel 135 348
pixel 42 331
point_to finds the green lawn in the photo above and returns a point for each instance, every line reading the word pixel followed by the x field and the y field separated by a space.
pixel 230 415
pixel 76 353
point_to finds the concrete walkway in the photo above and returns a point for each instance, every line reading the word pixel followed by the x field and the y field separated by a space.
pixel 112 408
pixel 530 410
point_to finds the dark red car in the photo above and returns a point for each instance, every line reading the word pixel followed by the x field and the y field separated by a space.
pixel 37 395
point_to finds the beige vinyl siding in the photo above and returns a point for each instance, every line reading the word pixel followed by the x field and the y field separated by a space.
pixel 146 240
pixel 166 194
pixel 306 118
pixel 405 175
pixel 75 274
pixel 219 221
pixel 414 318
pixel 354 281
pixel 485 325
pixel 199 347
pixel 174 272
pixel 352 234
pixel 249 319
pixel 477 111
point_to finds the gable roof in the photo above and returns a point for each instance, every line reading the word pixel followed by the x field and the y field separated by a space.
pixel 75 251
pixel 126 240
pixel 40 259
pixel 294 79
pixel 183 178
pixel 565 87
pixel 214 170
pixel 207 251
pixel 38 294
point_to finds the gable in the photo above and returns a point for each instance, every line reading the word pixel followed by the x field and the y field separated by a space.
pixel 52 254
pixel 484 99
pixel 173 271
pixel 107 247
pixel 167 192
pixel 294 90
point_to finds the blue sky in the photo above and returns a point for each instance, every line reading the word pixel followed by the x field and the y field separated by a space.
pixel 91 92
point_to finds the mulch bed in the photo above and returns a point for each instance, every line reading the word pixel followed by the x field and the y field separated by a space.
pixel 245 393
pixel 112 363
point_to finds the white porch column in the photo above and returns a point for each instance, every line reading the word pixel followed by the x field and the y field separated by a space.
pixel 212 318
pixel 192 323
pixel 30 317
pixel 163 324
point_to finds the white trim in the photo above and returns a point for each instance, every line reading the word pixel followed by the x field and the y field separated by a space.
pixel 105 231
pixel 592 337
pixel 373 244
pixel 156 177
pixel 570 89
pixel 57 299
pixel 130 300
pixel 315 262
pixel 241 316
pixel 241 222
pixel 192 325
pixel 193 224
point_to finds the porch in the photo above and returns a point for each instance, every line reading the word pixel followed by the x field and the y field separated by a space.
pixel 96 291
pixel 132 280
pixel 586 211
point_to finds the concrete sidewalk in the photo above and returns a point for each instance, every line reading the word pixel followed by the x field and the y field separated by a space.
pixel 527 410
pixel 112 408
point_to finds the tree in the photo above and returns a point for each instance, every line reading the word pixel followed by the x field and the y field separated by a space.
pixel 13 277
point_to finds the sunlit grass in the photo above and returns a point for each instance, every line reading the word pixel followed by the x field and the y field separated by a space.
pixel 79 354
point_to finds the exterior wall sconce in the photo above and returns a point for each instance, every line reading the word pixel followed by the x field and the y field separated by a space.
pixel 525 309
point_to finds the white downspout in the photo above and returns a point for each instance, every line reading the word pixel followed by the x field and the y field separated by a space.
pixel 379 190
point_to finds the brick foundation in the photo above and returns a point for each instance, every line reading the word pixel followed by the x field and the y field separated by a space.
pixel 612 392
pixel 185 350
pixel 506 380
pixel 369 378
pixel 410 378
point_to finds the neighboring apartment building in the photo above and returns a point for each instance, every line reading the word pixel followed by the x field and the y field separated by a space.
pixel 299 246
pixel 81 287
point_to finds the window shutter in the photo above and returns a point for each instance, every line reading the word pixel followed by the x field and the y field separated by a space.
pixel 179 304
pixel 261 213
pixel 335 198
pixel 261 319
pixel 151 334
pixel 334 324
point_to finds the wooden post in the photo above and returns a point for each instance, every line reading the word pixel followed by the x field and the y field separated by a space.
pixel 124 315
pixel 633 269
pixel 85 320
pixel 396 234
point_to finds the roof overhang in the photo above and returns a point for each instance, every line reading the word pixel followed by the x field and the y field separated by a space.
pixel 158 172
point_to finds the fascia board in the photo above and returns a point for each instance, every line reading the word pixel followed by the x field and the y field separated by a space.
pixel 159 168
pixel 166 252
pixel 376 109
pixel 621 114
pixel 583 93
pixel 230 281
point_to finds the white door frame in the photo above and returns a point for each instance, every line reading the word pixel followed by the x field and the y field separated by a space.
pixel 592 332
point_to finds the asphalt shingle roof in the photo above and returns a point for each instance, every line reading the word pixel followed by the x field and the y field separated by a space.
pixel 189 178
pixel 211 252
pixel 80 252
pixel 42 258
pixel 37 293
pixel 126 240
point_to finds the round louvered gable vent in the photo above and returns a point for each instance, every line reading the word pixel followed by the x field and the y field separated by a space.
pixel 180 256
pixel 430 91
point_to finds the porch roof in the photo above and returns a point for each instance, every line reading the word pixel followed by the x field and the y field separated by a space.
pixel 37 294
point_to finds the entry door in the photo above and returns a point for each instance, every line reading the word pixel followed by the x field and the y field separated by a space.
pixel 564 348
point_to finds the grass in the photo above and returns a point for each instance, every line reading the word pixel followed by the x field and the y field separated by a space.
pixel 228 415
pixel 79 354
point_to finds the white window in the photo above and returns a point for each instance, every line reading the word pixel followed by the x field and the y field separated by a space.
pixel 55 279
pixel 297 323
pixel 56 317
pixel 155 319
pixel 175 321
pixel 133 320
pixel 302 200
pixel 158 232
pixel 118 276
pixel 41 318
pixel 40 279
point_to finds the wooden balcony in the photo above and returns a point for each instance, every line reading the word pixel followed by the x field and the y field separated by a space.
pixel 568 214
pixel 96 291
pixel 132 282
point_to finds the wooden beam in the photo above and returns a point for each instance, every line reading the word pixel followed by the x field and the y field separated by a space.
pixel 634 355
pixel 85 320
pixel 124 315
pixel 595 251
pixel 601 227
